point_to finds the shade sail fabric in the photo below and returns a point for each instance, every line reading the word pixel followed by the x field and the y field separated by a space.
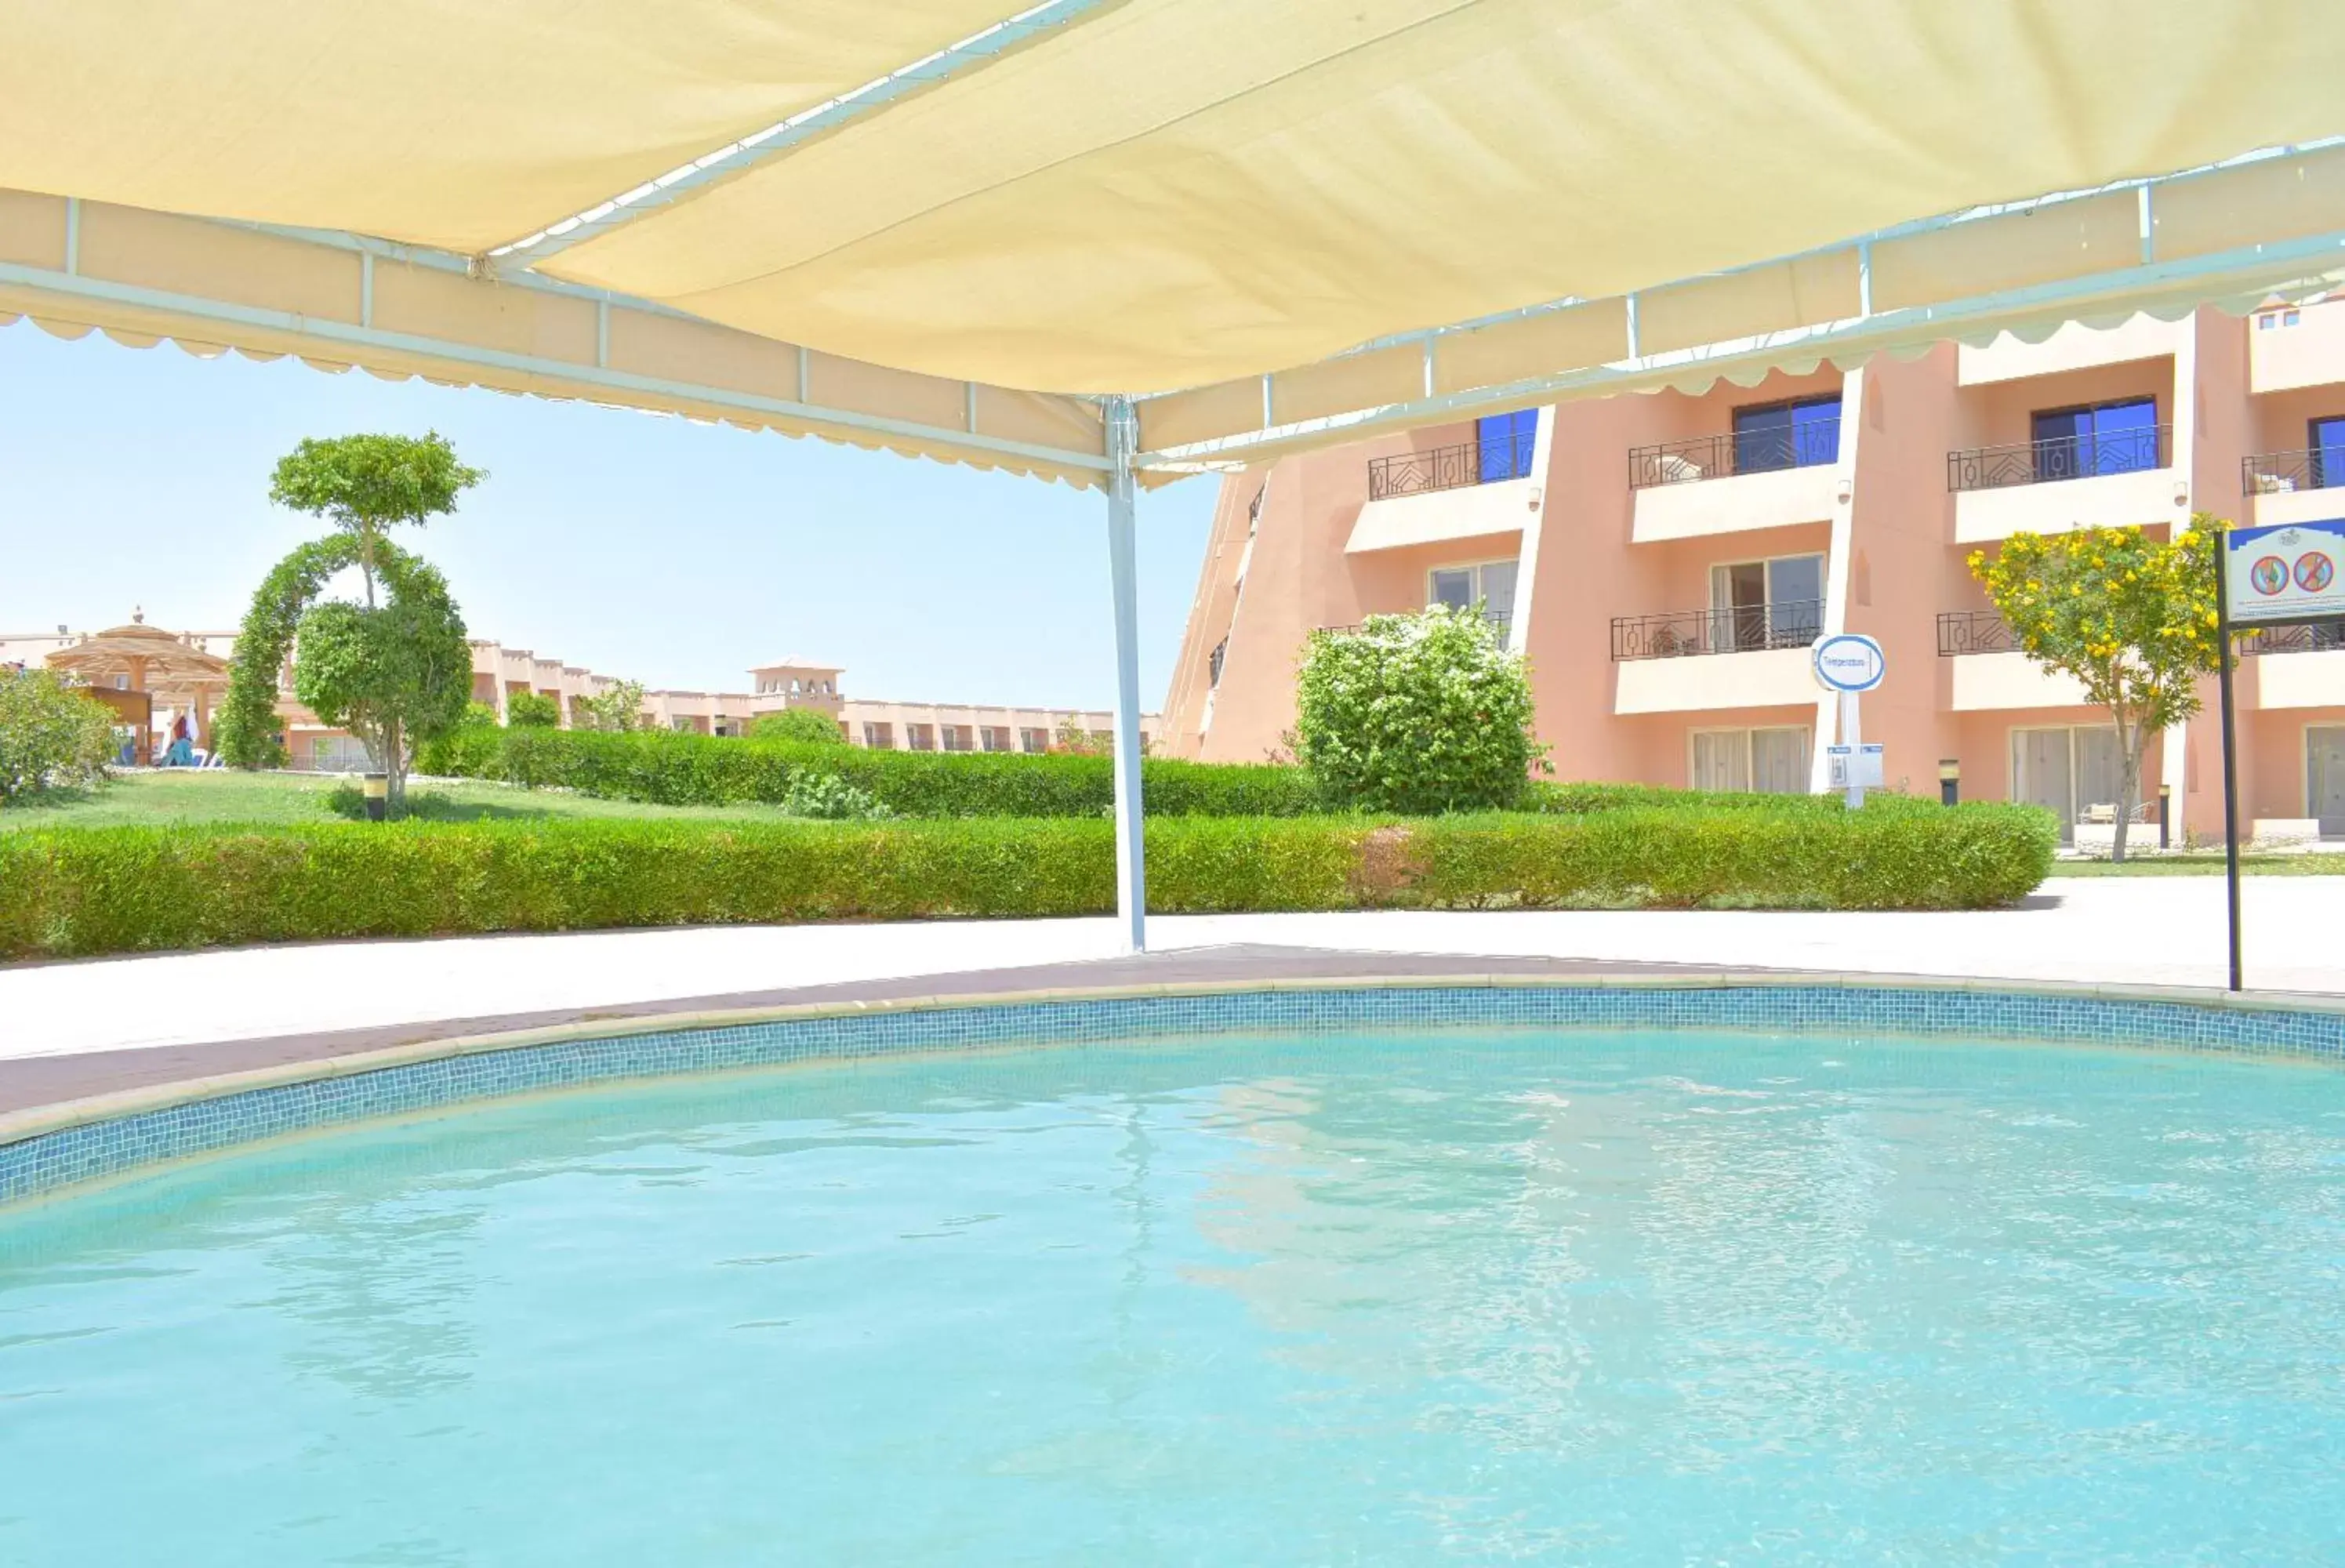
pixel 1167 194
pixel 460 124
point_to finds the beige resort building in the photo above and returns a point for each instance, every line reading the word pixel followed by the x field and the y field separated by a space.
pixel 185 672
pixel 1665 560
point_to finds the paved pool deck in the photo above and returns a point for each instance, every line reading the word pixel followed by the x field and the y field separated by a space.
pixel 68 1030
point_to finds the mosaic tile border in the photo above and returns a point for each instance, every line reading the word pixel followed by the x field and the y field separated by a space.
pixel 47 1161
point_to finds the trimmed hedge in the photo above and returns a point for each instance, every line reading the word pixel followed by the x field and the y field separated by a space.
pixel 75 892
pixel 666 768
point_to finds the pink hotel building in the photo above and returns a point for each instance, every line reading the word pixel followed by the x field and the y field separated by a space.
pixel 1665 560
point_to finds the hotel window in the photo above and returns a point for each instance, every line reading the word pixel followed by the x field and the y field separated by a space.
pixel 1033 742
pixel 1213 662
pixel 994 738
pixel 957 738
pixel 920 737
pixel 1797 434
pixel 1772 761
pixel 880 737
pixel 1506 442
pixel 1490 583
pixel 2102 438
pixel 2327 440
pixel 1776 603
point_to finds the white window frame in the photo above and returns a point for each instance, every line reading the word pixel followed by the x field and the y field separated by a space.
pixel 2076 802
pixel 1750 751
pixel 1823 558
pixel 2304 764
pixel 1477 568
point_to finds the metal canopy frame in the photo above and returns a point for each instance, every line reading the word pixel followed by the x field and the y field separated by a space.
pixel 2299 265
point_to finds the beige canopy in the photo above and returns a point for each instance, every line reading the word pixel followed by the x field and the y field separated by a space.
pixel 873 221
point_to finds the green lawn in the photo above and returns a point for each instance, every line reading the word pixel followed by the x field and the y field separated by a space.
pixel 2207 863
pixel 224 795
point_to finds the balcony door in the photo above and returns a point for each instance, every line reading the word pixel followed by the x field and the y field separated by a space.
pixel 2107 438
pixel 1490 583
pixel 1771 436
pixel 2067 771
pixel 2327 443
pixel 1773 761
pixel 2324 785
pixel 1505 442
pixel 1775 604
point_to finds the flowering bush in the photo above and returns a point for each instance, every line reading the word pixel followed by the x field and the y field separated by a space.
pixel 50 735
pixel 2130 619
pixel 1417 713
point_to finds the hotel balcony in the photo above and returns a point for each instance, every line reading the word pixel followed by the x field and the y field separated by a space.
pixel 2067 482
pixel 2297 666
pixel 1686 661
pixel 1988 674
pixel 2296 347
pixel 2306 486
pixel 1731 483
pixel 1469 491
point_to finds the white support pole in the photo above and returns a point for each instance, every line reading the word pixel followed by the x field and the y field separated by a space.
pixel 1123 554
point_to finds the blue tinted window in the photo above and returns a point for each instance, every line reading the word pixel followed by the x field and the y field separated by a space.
pixel 2327 452
pixel 2111 438
pixel 1505 440
pixel 1786 435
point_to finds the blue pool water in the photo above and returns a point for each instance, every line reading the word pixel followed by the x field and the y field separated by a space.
pixel 1403 1298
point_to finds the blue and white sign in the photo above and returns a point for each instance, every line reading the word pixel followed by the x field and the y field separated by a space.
pixel 1857 767
pixel 1846 662
pixel 2286 571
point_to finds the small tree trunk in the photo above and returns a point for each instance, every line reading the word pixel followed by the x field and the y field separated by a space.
pixel 395 765
pixel 2129 745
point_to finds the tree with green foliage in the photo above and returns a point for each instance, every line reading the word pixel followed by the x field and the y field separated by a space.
pixel 808 727
pixel 1416 713
pixel 2129 618
pixel 368 484
pixel 52 735
pixel 617 708
pixel 396 670
pixel 394 676
pixel 532 711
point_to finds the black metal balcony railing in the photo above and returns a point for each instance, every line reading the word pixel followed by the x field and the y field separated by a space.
pixel 1486 461
pixel 1983 632
pixel 1972 632
pixel 2060 458
pixel 1794 624
pixel 1734 452
pixel 2318 637
pixel 2277 473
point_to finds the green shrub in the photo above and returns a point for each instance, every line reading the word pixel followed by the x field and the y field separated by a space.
pixel 829 798
pixel 531 710
pixel 1423 712
pixel 807 726
pixel 662 768
pixel 51 735
pixel 74 892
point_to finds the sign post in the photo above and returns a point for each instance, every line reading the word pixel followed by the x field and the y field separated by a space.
pixel 2281 575
pixel 1849 663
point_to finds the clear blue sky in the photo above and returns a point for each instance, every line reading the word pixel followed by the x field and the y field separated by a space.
pixel 645 547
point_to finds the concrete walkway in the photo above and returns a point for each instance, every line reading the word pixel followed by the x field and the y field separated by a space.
pixel 2148 930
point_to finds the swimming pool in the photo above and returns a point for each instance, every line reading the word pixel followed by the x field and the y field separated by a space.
pixel 1382 1293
